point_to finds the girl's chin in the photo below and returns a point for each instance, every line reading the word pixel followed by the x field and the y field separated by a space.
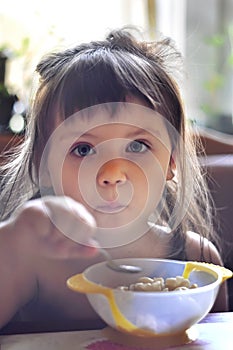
pixel 114 220
pixel 110 223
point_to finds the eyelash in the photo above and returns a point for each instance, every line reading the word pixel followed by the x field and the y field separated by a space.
pixel 75 148
pixel 92 148
pixel 139 142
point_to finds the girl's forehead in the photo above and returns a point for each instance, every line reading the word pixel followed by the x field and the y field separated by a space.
pixel 118 120
pixel 123 115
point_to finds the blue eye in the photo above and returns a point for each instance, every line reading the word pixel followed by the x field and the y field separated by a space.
pixel 83 150
pixel 137 147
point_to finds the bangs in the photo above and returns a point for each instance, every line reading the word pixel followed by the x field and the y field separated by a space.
pixel 95 79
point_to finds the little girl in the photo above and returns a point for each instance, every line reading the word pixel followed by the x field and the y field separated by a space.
pixel 107 160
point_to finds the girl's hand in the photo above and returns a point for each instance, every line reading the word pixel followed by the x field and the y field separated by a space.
pixel 35 238
pixel 58 227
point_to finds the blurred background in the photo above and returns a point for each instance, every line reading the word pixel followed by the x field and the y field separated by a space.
pixel 202 30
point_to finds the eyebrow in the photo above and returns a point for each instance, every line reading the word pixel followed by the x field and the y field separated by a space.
pixel 130 135
pixel 145 132
pixel 76 135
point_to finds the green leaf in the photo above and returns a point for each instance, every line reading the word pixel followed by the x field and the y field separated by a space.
pixel 206 109
pixel 230 59
pixel 216 40
pixel 25 43
pixel 215 83
pixel 230 31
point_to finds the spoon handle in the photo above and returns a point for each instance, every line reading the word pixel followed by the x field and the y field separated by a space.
pixel 119 267
pixel 110 263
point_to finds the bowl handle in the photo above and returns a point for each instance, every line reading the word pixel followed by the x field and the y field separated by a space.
pixel 216 270
pixel 80 284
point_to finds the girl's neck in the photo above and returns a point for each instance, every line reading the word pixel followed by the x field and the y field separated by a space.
pixel 153 244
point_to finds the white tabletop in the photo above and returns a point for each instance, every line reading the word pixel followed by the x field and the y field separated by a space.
pixel 206 336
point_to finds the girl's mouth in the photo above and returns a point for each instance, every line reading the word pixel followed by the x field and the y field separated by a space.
pixel 111 208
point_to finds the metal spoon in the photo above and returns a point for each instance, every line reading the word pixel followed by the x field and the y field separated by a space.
pixel 116 267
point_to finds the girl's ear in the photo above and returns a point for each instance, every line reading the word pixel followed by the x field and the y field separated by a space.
pixel 171 169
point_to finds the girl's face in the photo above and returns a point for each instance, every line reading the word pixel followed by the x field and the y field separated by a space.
pixel 115 165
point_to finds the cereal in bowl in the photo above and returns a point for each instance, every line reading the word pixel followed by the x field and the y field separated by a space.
pixel 159 284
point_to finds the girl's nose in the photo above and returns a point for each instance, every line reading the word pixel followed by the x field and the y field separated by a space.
pixel 112 173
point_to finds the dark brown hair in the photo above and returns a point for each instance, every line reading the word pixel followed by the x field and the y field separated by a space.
pixel 108 71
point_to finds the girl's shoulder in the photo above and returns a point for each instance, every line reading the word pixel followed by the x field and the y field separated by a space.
pixel 197 246
pixel 190 246
pixel 209 253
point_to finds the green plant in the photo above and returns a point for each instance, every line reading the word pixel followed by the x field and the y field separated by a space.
pixel 222 45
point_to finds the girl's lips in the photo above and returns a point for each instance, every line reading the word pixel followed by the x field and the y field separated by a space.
pixel 111 207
